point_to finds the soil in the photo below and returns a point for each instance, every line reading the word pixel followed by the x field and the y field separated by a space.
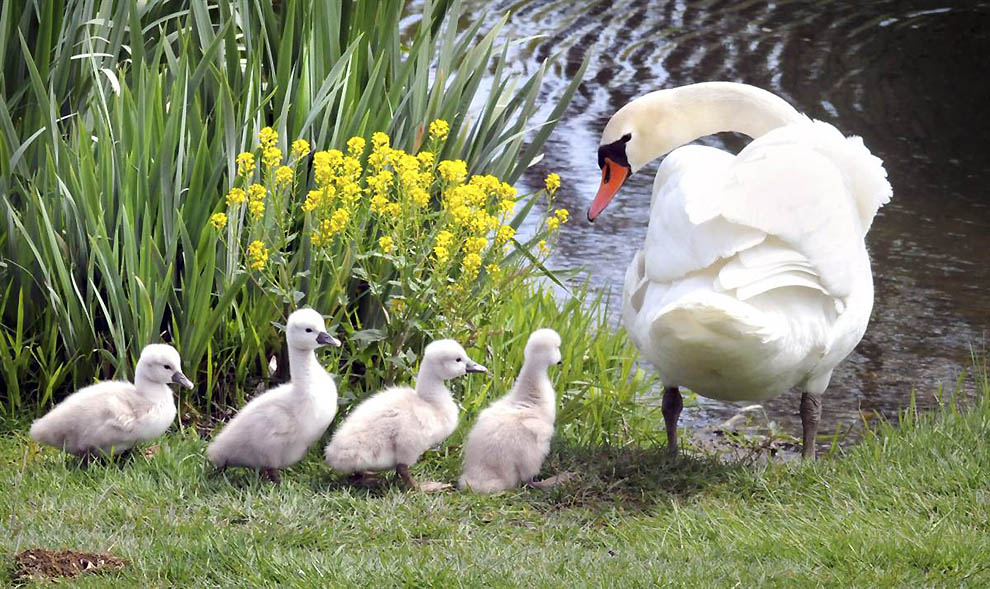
pixel 50 564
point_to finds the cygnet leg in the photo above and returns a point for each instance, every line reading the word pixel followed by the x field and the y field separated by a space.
pixel 551 482
pixel 271 474
pixel 403 471
pixel 811 414
pixel 671 406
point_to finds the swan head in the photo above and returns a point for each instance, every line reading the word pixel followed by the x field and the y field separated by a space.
pixel 306 330
pixel 543 348
pixel 160 363
pixel 446 359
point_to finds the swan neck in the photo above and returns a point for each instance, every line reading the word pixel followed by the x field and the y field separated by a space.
pixel 682 115
pixel 429 385
pixel 531 384
pixel 150 388
pixel 302 366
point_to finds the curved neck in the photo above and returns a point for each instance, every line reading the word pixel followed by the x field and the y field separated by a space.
pixel 150 388
pixel 302 366
pixel 533 387
pixel 429 385
pixel 675 117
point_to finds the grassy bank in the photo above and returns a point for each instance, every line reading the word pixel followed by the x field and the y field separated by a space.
pixel 909 506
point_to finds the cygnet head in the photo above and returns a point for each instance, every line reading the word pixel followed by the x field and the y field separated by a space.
pixel 160 363
pixel 306 330
pixel 543 348
pixel 446 359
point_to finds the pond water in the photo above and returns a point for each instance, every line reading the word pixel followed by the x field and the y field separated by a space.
pixel 910 77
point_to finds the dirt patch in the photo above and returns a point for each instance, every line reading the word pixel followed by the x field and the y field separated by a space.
pixel 39 563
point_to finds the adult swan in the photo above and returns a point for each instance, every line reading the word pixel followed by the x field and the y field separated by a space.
pixel 754 276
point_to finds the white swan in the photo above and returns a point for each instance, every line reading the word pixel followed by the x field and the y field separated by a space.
pixel 754 276
pixel 116 415
pixel 393 428
pixel 275 429
pixel 511 437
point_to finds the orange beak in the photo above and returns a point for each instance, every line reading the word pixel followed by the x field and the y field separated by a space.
pixel 613 175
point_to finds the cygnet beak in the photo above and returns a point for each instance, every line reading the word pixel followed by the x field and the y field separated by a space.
pixel 325 339
pixel 180 379
pixel 472 366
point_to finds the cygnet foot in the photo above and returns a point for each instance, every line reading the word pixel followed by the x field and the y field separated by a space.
pixel 551 482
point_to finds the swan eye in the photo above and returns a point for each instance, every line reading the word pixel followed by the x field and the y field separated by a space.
pixel 309 330
pixel 167 367
pixel 458 360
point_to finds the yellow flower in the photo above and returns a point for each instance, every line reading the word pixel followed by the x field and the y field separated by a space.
pixel 267 137
pixel 355 146
pixel 444 238
pixel 272 156
pixel 245 164
pixel 553 223
pixel 493 269
pixel 256 192
pixel 235 197
pixel 339 220
pixel 386 243
pixel 420 197
pixel 507 192
pixel 379 204
pixel 393 209
pixel 284 175
pixel 300 148
pixel 426 159
pixel 471 264
pixel 452 171
pixel 505 207
pixel 257 255
pixel 219 220
pixel 350 192
pixel 552 183
pixel 475 244
pixel 397 305
pixel 439 129
pixel 505 233
pixel 543 246
pixel 441 253
pixel 379 141
pixel 315 198
pixel 256 208
pixel 562 214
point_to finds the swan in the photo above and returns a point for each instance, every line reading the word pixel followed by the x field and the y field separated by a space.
pixel 114 416
pixel 511 437
pixel 275 429
pixel 393 428
pixel 754 276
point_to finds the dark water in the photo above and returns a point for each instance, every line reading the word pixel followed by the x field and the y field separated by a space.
pixel 913 78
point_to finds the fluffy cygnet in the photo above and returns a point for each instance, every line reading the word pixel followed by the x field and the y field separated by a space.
pixel 394 427
pixel 114 416
pixel 511 437
pixel 275 429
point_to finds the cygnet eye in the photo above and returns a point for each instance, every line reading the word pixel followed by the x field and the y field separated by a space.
pixel 458 360
pixel 167 367
pixel 309 330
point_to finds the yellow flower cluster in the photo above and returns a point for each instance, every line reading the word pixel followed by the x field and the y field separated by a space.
pixel 552 183
pixel 559 217
pixel 284 176
pixel 257 255
pixel 236 196
pixel 439 129
pixel 256 200
pixel 268 138
pixel 355 147
pixel 300 148
pixel 218 220
pixel 452 171
pixel 245 164
pixel 386 243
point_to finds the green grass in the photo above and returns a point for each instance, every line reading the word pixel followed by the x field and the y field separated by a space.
pixel 909 506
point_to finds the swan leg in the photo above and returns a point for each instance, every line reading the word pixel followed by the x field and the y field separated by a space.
pixel 365 479
pixel 430 487
pixel 671 407
pixel 403 471
pixel 270 474
pixel 811 413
